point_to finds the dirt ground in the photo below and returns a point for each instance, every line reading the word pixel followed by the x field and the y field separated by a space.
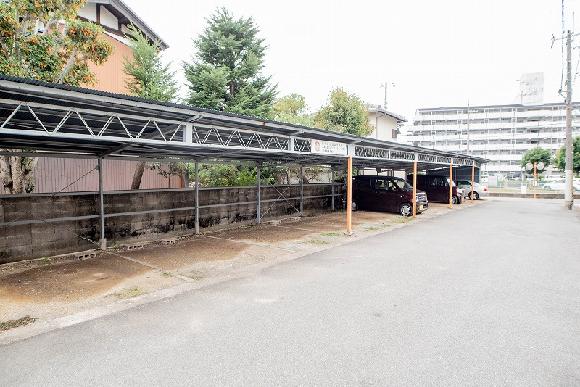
pixel 68 281
pixel 44 289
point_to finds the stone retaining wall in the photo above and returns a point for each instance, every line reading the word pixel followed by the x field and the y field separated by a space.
pixel 69 222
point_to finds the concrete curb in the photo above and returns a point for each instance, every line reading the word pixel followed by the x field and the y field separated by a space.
pixel 530 195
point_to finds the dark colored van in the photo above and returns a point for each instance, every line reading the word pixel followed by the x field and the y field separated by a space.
pixel 436 187
pixel 386 193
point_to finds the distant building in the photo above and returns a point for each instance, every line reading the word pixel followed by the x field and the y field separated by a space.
pixel 386 124
pixel 386 127
pixel 500 133
pixel 115 17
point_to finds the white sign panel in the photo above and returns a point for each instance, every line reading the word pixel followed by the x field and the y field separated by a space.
pixel 328 147
pixel 532 89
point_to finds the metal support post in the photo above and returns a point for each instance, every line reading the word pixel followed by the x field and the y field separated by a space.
pixel 301 190
pixel 196 197
pixel 259 193
pixel 188 133
pixel 332 188
pixel 103 240
pixel 451 183
pixel 349 196
pixel 415 185
pixel 291 143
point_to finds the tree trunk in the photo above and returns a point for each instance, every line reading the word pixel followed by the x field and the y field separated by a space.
pixel 68 67
pixel 138 175
pixel 185 178
pixel 5 175
pixel 17 173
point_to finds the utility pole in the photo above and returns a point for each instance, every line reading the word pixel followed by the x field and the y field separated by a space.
pixel 385 100
pixel 569 193
pixel 377 121
pixel 385 85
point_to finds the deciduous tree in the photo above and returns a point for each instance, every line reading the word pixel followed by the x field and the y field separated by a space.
pixel 292 108
pixel 345 113
pixel 44 40
pixel 536 155
pixel 560 158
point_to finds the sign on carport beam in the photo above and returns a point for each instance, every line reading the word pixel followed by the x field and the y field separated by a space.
pixel 328 147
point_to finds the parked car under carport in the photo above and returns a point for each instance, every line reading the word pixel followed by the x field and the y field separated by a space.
pixel 386 193
pixel 437 188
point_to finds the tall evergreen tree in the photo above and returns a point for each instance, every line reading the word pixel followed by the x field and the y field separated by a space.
pixel 149 78
pixel 226 73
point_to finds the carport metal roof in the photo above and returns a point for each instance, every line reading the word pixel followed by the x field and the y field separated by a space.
pixel 76 122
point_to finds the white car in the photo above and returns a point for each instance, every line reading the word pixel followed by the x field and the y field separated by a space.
pixel 479 190
pixel 560 185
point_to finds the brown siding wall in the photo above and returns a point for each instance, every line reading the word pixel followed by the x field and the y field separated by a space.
pixel 110 75
pixel 61 175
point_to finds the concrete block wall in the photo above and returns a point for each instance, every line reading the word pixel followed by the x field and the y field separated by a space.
pixel 56 230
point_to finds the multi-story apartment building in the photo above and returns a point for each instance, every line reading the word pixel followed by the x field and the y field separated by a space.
pixel 500 133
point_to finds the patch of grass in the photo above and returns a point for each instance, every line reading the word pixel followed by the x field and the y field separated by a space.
pixel 11 324
pixel 316 242
pixel 377 227
pixel 330 234
pixel 129 293
pixel 195 275
pixel 166 274
pixel 373 228
pixel 45 261
pixel 402 219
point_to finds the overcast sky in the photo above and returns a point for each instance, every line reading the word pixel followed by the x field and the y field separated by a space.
pixel 437 53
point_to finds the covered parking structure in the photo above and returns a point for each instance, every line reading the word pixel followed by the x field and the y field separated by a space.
pixel 50 120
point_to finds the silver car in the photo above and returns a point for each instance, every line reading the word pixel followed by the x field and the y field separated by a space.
pixel 479 190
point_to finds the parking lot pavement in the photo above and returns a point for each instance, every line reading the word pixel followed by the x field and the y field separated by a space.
pixel 487 296
pixel 44 291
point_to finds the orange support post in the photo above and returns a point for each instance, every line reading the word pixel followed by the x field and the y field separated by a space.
pixel 451 183
pixel 415 185
pixel 349 196
pixel 535 178
pixel 472 178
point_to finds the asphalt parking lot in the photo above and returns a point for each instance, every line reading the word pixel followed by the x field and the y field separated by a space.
pixel 51 288
pixel 486 296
